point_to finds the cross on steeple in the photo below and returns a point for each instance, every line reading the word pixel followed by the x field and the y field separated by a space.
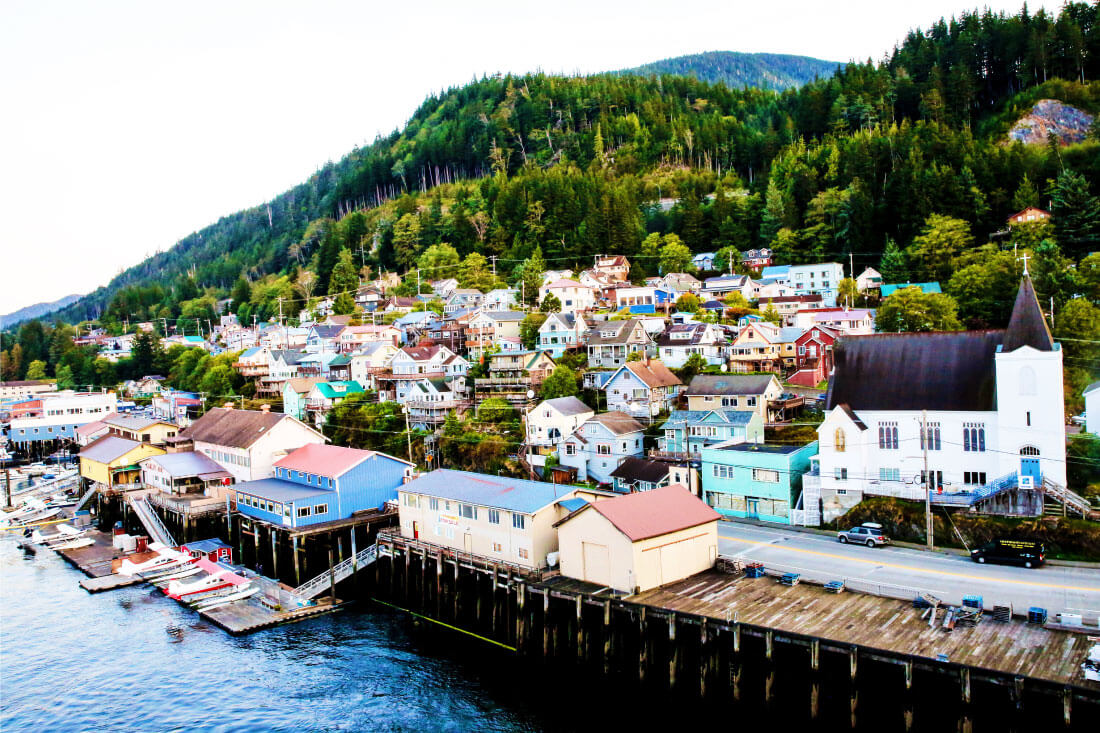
pixel 1025 257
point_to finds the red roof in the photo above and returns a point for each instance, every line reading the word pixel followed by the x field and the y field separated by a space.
pixel 324 460
pixel 653 513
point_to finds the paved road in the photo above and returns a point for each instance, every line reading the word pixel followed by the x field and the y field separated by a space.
pixel 894 571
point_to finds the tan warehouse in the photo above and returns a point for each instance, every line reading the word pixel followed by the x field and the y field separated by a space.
pixel 639 541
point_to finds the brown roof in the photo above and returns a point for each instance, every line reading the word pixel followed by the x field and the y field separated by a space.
pixel 421 353
pixel 653 373
pixel 618 422
pixel 233 428
pixel 1027 326
pixel 647 514
pixel 302 385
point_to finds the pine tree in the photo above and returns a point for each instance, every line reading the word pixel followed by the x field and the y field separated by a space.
pixel 1026 195
pixel 1076 214
pixel 893 266
pixel 533 269
pixel 344 276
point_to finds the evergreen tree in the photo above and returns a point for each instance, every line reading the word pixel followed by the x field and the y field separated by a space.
pixel 242 293
pixel 343 305
pixel 531 276
pixel 345 276
pixel 1076 214
pixel 1026 195
pixel 933 251
pixel 406 240
pixel 893 267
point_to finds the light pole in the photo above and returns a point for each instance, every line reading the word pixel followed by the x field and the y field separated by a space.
pixel 408 432
pixel 927 480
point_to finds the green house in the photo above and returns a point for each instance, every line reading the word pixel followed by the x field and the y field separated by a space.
pixel 754 480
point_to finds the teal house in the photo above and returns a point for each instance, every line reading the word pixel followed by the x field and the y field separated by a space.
pixel 754 480
pixel 926 288
pixel 688 431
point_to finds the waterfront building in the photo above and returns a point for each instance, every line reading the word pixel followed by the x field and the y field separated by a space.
pixel 755 480
pixel 985 406
pixel 141 429
pixel 187 472
pixel 113 463
pixel 248 442
pixel 639 541
pixel 25 388
pixel 507 519
pixel 323 483
pixel 213 550
pixel 62 413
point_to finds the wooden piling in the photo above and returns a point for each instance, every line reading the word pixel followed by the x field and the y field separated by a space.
pixel 607 636
pixel 580 628
pixel 673 652
pixel 643 647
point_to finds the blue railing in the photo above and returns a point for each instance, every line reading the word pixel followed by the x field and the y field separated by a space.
pixel 970 498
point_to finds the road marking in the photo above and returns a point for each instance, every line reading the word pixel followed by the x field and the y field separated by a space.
pixel 849 558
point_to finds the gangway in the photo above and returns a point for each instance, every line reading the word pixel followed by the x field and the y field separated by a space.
pixel 339 572
pixel 149 519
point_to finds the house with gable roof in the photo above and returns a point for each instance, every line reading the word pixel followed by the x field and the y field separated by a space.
pixel 600 444
pixel 323 396
pixel 616 266
pixel 679 342
pixel 323 483
pixel 295 393
pixel 609 343
pixel 549 423
pixel 642 389
pixel 560 332
pixel 574 296
pixel 986 407
pixel 414 363
pixel 689 431
pixel 745 392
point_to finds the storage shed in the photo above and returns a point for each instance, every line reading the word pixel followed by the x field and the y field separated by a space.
pixel 639 541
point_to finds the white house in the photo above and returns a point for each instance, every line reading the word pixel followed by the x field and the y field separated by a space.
pixel 248 442
pixel 549 423
pixel 989 402
pixel 720 287
pixel 574 296
pixel 854 322
pixel 1092 408
pixel 617 266
pixel 611 342
pixel 370 359
pixel 642 389
pixel 868 280
pixel 676 344
pixel 414 363
pixel 600 444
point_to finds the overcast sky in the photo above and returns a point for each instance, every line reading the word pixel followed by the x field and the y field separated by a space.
pixel 128 125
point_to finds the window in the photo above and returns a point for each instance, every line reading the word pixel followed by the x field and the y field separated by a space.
pixel 723 471
pixel 974 437
pixel 497 547
pixel 1029 450
pixel 888 435
pixel 765 475
pixel 320 508
pixel 930 437
pixel 750 401
pixel 518 521
pixel 889 474
pixel 570 449
pixel 603 449
pixel 523 553
pixel 412 500
pixel 974 478
pixel 433 504
pixel 841 474
pixel 1027 419
pixel 494 516
pixel 839 441
pixel 304 511
pixel 468 511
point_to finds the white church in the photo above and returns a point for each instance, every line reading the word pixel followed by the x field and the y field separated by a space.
pixel 990 404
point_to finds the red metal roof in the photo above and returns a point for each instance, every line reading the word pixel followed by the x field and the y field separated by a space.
pixel 324 460
pixel 653 513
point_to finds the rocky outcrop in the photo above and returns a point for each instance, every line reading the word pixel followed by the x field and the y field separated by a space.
pixel 1070 124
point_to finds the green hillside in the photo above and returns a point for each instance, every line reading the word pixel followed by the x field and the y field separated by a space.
pixel 736 70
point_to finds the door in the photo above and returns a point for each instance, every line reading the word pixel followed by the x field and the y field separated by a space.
pixel 416 530
pixel 468 542
pixel 597 563
pixel 1030 467
pixel 752 508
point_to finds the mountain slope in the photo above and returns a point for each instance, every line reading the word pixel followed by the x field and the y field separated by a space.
pixel 36 311
pixel 736 70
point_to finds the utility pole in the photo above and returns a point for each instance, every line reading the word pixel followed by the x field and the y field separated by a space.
pixel 1052 312
pixel 408 432
pixel 927 479
pixel 851 266
pixel 494 259
pixel 418 282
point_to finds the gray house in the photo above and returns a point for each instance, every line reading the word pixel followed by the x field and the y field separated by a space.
pixel 600 444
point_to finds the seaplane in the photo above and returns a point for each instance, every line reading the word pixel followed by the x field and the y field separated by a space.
pixel 64 533
pixel 32 511
pixel 217 577
pixel 166 560
pixel 210 603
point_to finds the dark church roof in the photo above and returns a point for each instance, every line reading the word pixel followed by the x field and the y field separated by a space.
pixel 916 371
pixel 1027 326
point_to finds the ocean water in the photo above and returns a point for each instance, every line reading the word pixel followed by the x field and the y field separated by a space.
pixel 134 660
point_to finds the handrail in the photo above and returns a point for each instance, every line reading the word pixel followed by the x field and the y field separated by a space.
pixel 149 519
pixel 339 572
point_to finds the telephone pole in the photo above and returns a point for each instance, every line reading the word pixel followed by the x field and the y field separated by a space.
pixel 494 259
pixel 927 479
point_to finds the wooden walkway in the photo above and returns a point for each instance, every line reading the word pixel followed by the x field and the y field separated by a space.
pixel 872 622
pixel 96 560
pixel 244 617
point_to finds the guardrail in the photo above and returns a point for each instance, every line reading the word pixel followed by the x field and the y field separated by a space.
pixel 339 572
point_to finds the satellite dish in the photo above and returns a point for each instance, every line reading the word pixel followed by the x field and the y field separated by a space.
pixel 530 394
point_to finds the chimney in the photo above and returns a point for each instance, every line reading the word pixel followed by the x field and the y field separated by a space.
pixel 265 408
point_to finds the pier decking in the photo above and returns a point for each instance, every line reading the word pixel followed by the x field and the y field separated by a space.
pixel 872 622
pixel 244 617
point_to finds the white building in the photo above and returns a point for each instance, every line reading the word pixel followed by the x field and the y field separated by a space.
pixel 990 402
pixel 62 413
pixel 675 345
pixel 642 389
pixel 599 445
pixel 549 423
pixel 1092 408
pixel 574 296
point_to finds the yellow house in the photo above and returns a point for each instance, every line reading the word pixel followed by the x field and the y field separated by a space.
pixel 636 542
pixel 140 429
pixel 112 462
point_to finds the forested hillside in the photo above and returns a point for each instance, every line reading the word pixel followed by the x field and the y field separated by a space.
pixel 903 165
pixel 736 70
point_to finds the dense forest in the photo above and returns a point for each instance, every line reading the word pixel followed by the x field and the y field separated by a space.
pixel 902 164
pixel 736 70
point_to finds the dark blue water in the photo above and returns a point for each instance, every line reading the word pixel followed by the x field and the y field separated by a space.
pixel 133 660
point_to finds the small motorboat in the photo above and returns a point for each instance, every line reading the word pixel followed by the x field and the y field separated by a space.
pixel 35 520
pixel 26 509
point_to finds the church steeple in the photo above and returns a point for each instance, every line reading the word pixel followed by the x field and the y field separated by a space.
pixel 1027 326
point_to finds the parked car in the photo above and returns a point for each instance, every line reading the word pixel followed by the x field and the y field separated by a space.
pixel 868 533
pixel 1078 419
pixel 1028 553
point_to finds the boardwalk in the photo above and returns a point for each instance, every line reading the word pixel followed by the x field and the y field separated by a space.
pixel 871 622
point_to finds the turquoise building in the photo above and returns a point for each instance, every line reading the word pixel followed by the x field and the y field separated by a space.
pixel 753 480
pixel 688 431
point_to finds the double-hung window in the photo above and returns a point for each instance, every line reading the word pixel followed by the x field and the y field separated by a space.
pixel 518 521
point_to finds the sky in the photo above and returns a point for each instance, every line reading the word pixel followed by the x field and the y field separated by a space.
pixel 126 126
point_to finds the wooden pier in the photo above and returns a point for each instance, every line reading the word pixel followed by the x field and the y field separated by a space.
pixel 245 617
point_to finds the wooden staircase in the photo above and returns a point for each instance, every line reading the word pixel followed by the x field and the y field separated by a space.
pixel 1061 501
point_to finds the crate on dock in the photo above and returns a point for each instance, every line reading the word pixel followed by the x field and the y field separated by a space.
pixel 1003 614
pixel 1036 615
pixel 972 601
pixel 835 586
pixel 754 570
pixel 789 579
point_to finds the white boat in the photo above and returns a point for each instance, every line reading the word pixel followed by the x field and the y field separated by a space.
pixel 162 581
pixel 27 508
pixel 60 500
pixel 33 519
pixel 226 600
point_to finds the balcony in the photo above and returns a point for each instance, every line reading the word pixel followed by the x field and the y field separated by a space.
pixel 247 369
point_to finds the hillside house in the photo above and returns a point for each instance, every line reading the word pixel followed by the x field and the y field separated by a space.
pixel 549 423
pixel 599 445
pixel 755 480
pixel 295 393
pixel 1030 215
pixel 642 389
pixel 677 343
pixel 488 329
pixel 413 363
pixel 353 338
pixel 462 299
pixel 744 392
pixel 323 396
pixel 616 267
pixel 815 356
pixel 429 401
pixel 869 281
pixel 574 296
pixel 609 343
pixel 757 259
pixel 687 432
pixel 560 332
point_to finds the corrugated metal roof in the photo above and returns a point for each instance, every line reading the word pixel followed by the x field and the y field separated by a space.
pixel 189 463
pixel 338 390
pixel 568 405
pixel 328 460
pixel 233 428
pixel 108 448
pixel 282 491
pixel 498 492
pixel 654 513
pixel 729 384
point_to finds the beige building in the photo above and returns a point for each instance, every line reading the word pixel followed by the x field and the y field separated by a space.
pixel 636 542
pixel 25 388
pixel 504 519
